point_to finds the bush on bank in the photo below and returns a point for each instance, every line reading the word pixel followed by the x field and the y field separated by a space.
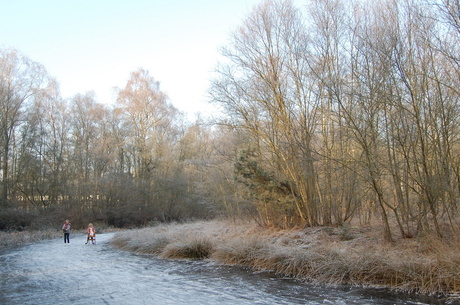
pixel 321 255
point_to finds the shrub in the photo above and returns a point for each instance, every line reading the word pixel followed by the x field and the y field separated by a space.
pixel 198 248
pixel 15 219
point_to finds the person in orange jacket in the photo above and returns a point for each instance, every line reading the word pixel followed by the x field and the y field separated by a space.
pixel 91 233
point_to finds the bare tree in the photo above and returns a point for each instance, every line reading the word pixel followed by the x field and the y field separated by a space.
pixel 40 170
pixel 147 110
pixel 267 89
pixel 20 80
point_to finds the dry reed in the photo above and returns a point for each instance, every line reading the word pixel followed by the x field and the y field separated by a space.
pixel 198 248
pixel 319 255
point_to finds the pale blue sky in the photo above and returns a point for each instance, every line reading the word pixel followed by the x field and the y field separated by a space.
pixel 94 45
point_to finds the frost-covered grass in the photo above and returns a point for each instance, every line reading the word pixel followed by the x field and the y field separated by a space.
pixel 191 240
pixel 320 255
pixel 16 238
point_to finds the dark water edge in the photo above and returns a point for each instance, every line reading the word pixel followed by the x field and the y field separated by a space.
pixel 300 290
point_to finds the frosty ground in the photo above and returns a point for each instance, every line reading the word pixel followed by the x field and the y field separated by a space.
pixel 49 272
pixel 153 270
pixel 327 255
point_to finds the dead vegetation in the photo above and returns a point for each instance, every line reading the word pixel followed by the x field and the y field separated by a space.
pixel 16 238
pixel 320 255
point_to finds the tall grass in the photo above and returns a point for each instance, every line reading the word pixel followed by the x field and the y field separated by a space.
pixel 195 240
pixel 426 266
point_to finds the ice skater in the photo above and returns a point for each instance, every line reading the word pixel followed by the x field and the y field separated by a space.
pixel 91 233
pixel 66 230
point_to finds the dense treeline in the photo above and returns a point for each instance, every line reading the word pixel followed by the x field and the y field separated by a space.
pixel 125 165
pixel 352 110
pixel 333 111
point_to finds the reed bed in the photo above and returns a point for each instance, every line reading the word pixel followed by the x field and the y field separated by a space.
pixel 322 255
pixel 199 248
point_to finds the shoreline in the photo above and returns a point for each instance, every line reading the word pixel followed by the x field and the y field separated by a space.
pixel 24 237
pixel 16 238
pixel 330 256
pixel 352 256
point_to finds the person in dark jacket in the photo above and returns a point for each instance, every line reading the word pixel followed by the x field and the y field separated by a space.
pixel 66 230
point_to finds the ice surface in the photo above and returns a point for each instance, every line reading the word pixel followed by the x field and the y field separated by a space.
pixel 51 272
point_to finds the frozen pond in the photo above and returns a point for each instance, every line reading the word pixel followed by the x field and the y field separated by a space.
pixel 50 272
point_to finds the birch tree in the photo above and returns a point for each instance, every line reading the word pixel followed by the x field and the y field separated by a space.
pixel 20 80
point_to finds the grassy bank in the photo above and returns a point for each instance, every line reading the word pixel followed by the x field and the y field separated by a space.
pixel 16 238
pixel 346 255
